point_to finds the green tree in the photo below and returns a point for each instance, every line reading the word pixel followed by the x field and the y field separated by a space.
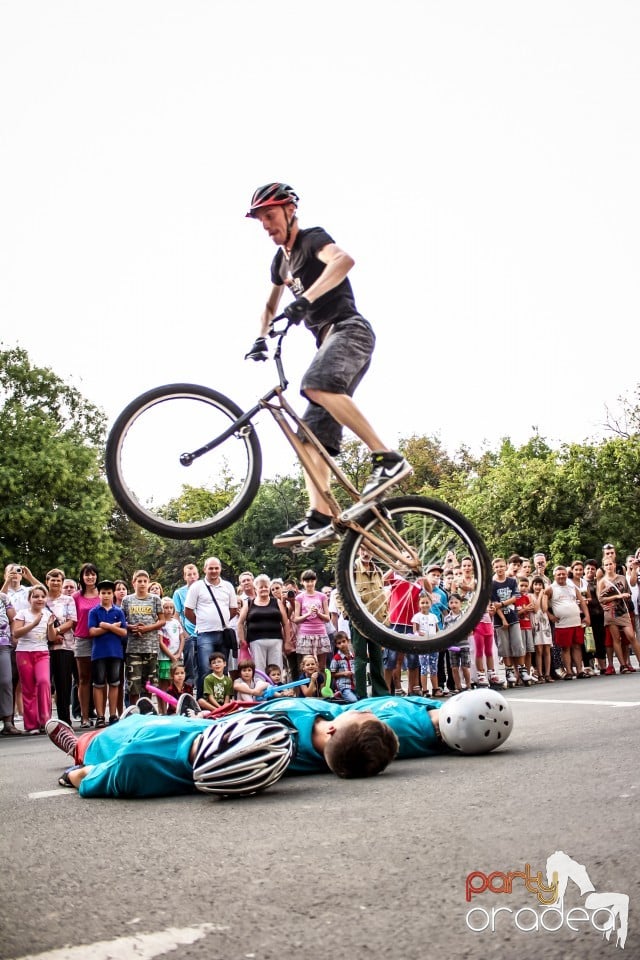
pixel 55 506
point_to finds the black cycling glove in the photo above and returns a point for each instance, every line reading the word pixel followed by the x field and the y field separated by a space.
pixel 297 310
pixel 258 350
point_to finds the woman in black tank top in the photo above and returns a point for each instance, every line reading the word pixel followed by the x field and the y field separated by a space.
pixel 263 624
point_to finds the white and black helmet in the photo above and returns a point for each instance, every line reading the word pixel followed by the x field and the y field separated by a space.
pixel 476 721
pixel 243 754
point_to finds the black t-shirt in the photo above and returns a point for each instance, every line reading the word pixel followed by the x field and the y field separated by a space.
pixel 302 269
pixel 264 622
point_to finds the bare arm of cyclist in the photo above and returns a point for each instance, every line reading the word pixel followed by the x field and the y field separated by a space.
pixel 338 263
pixel 270 310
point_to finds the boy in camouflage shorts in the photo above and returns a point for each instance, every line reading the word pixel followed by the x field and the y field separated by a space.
pixel 143 611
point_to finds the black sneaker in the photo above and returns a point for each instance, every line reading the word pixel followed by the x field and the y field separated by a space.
pixel 187 706
pixel 387 469
pixel 145 705
pixel 313 523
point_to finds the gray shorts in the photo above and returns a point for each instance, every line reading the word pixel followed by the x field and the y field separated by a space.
pixel 527 639
pixel 509 641
pixel 338 367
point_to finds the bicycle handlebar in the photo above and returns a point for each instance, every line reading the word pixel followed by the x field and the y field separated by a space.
pixel 284 330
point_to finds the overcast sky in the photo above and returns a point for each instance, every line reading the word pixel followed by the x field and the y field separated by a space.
pixel 479 160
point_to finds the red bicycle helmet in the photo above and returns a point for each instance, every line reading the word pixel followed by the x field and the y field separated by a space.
pixel 272 195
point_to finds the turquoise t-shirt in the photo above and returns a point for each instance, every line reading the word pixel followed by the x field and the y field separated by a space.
pixel 148 756
pixel 142 756
pixel 408 717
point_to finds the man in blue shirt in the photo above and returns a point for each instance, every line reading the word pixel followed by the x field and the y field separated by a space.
pixel 190 575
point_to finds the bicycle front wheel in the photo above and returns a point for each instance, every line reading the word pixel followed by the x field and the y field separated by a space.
pixel 148 479
pixel 382 600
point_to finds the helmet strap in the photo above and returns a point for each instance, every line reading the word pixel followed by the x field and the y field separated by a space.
pixel 289 226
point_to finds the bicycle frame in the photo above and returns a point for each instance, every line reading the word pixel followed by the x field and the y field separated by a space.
pixel 400 558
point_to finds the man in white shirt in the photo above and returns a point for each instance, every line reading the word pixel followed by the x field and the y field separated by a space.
pixel 200 608
pixel 567 609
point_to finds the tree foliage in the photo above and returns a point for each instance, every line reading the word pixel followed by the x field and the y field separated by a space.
pixel 55 506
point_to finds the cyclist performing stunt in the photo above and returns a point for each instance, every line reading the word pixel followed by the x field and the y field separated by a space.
pixel 211 473
pixel 315 269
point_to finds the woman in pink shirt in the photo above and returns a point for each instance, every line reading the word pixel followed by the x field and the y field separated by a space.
pixel 86 598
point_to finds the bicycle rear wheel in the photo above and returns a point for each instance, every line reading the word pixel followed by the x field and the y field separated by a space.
pixel 426 530
pixel 150 483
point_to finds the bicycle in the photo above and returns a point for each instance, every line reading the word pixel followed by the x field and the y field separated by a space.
pixel 403 534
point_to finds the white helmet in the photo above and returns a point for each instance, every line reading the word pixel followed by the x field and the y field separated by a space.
pixel 476 721
pixel 243 754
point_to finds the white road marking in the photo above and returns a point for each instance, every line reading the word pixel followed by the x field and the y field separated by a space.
pixel 40 794
pixel 144 946
pixel 587 703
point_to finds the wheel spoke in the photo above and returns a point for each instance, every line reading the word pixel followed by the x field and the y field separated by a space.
pixel 159 489
pixel 404 536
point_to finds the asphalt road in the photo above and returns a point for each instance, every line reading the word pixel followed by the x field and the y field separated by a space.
pixel 320 867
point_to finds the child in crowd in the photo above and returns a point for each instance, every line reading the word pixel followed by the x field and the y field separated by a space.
pixel 311 614
pixel 311 671
pixel 342 668
pixel 460 657
pixel 107 629
pixel 525 607
pixel 217 689
pixel 275 675
pixel 541 629
pixel 177 684
pixel 33 628
pixel 119 594
pixel 483 639
pixel 171 639
pixel 425 624
pixel 246 687
pixel 143 612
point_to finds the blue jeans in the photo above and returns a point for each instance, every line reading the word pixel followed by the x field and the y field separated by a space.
pixel 390 657
pixel 207 642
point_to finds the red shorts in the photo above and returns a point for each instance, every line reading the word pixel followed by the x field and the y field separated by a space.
pixel 569 636
pixel 83 742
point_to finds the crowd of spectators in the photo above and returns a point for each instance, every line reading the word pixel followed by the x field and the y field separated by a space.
pixel 93 646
